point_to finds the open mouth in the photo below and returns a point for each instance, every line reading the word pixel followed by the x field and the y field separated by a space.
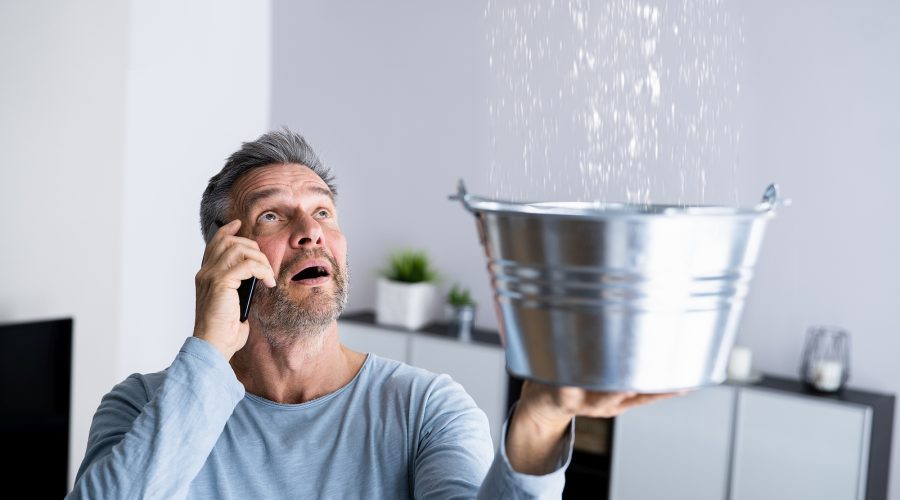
pixel 311 273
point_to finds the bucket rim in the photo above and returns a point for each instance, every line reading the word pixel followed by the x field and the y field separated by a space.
pixel 600 210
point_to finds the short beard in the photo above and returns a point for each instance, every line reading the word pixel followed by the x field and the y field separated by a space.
pixel 285 321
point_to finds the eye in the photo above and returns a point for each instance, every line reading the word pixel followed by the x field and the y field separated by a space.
pixel 268 217
pixel 323 213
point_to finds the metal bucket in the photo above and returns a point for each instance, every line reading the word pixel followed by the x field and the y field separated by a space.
pixel 619 297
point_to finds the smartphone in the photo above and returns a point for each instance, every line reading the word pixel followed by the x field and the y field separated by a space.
pixel 247 287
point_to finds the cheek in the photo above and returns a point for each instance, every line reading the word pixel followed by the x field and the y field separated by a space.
pixel 273 253
pixel 339 249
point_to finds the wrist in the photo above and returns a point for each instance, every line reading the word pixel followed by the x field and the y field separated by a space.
pixel 535 444
pixel 541 404
pixel 541 422
pixel 224 350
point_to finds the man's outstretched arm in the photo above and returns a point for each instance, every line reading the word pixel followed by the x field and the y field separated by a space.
pixel 454 458
pixel 544 414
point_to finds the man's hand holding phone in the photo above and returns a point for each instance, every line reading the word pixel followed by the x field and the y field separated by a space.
pixel 227 261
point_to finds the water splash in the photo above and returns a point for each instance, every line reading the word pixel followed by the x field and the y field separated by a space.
pixel 609 101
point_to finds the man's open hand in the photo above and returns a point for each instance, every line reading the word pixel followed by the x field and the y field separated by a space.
pixel 227 261
pixel 543 414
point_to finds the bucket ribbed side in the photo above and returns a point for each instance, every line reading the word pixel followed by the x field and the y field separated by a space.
pixel 650 305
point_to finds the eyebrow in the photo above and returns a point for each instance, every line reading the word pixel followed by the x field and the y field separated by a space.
pixel 253 198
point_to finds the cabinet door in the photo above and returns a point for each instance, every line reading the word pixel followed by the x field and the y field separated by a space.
pixel 382 342
pixel 480 369
pixel 675 448
pixel 789 447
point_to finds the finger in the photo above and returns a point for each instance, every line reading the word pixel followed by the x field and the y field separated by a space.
pixel 602 404
pixel 223 242
pixel 607 398
pixel 642 399
pixel 229 229
pixel 237 255
pixel 261 269
pixel 215 251
pixel 247 269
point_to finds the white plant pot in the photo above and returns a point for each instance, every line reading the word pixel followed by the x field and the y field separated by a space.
pixel 408 305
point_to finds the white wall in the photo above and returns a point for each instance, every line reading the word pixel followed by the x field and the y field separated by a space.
pixel 114 117
pixel 395 99
pixel 62 133
pixel 198 85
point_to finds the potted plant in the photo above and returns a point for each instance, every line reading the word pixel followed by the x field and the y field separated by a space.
pixel 460 312
pixel 406 292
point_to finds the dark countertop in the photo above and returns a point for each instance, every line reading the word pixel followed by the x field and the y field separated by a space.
pixel 439 328
pixel 846 395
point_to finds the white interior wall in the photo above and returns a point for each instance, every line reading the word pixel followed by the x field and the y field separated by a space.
pixel 114 117
pixel 198 85
pixel 394 97
pixel 62 97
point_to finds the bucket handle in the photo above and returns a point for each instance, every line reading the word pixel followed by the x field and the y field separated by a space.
pixel 462 195
pixel 772 199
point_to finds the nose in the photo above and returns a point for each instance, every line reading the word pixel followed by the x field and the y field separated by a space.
pixel 307 232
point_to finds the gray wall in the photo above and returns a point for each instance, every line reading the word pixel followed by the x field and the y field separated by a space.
pixel 391 96
pixel 395 98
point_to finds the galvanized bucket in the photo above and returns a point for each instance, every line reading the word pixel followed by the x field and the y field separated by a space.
pixel 619 297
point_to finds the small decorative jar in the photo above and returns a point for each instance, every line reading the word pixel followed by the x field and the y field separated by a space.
pixel 461 318
pixel 826 359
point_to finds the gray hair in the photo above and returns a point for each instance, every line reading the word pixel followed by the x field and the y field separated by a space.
pixel 276 147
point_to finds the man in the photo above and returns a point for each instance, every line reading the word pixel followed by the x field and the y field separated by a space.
pixel 277 407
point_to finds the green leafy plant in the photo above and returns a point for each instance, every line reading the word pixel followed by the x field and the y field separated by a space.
pixel 459 297
pixel 410 266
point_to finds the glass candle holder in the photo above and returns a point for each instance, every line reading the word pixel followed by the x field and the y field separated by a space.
pixel 826 359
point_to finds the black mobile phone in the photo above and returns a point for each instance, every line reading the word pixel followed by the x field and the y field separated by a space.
pixel 247 287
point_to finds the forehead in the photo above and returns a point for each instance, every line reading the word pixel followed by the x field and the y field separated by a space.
pixel 289 175
pixel 289 179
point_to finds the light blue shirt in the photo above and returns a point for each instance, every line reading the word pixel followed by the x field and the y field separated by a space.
pixel 393 432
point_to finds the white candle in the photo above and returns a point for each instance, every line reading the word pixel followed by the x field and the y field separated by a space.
pixel 827 375
pixel 739 363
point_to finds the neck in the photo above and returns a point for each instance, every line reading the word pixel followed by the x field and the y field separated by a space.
pixel 306 369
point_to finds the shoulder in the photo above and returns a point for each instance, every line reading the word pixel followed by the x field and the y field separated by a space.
pixel 434 400
pixel 137 388
pixel 418 383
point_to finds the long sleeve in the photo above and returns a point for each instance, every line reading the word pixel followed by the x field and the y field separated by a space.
pixel 454 458
pixel 147 443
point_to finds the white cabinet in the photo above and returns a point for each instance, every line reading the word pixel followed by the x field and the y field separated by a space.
pixel 774 440
pixel 789 447
pixel 675 448
pixel 479 367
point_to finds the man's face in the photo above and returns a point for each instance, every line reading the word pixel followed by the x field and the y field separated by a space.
pixel 291 214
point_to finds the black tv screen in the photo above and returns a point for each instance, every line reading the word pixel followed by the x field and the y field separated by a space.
pixel 35 380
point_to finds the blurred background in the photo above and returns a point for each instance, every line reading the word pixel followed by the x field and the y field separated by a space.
pixel 113 116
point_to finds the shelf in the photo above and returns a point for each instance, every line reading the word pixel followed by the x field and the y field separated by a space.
pixel 438 328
